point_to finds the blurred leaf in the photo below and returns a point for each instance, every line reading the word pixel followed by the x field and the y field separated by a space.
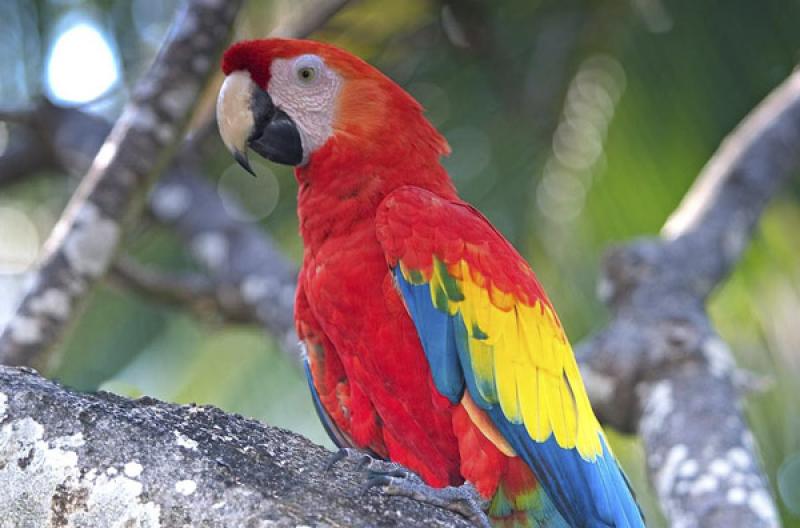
pixel 113 330
pixel 789 483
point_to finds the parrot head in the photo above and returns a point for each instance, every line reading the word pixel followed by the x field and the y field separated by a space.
pixel 291 101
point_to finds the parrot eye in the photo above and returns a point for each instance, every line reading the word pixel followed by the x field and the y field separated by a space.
pixel 306 74
pixel 307 69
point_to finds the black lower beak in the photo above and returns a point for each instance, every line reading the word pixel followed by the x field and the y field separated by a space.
pixel 275 135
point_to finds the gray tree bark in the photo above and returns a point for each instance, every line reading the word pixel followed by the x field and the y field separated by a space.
pixel 72 460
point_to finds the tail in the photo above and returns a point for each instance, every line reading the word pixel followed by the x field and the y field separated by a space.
pixel 593 494
pixel 587 494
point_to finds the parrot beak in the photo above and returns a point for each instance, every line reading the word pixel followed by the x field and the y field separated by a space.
pixel 247 118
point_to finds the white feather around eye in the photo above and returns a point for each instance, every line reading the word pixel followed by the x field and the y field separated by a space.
pixel 310 102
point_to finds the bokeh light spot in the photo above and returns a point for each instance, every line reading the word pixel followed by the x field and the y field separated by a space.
pixel 560 194
pixel 578 142
pixel 19 245
pixel 249 198
pixel 81 65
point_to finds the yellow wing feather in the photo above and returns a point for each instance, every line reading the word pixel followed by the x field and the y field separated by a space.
pixel 520 358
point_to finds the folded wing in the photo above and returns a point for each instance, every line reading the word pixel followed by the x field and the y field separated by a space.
pixel 488 328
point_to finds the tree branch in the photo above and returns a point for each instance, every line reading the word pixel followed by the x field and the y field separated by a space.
pixel 102 460
pixel 194 292
pixel 659 368
pixel 306 21
pixel 86 238
pixel 245 263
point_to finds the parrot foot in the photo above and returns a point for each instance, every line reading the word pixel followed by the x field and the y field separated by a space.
pixel 398 481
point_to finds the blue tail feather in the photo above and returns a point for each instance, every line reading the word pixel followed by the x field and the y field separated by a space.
pixel 567 476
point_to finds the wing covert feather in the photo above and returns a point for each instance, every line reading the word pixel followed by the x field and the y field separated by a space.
pixel 479 309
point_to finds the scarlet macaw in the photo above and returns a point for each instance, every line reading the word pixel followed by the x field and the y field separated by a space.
pixel 429 340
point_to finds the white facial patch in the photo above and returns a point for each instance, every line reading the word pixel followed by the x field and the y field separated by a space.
pixel 234 117
pixel 306 89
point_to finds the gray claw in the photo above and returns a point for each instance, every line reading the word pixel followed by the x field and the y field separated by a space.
pixel 362 458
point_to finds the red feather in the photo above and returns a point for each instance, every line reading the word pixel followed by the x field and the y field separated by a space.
pixel 366 359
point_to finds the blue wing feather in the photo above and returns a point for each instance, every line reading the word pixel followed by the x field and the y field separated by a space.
pixel 334 433
pixel 564 473
pixel 437 333
pixel 590 494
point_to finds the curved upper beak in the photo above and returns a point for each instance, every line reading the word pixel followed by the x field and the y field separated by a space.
pixel 247 118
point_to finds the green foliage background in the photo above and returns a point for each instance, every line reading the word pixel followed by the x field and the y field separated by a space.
pixel 575 125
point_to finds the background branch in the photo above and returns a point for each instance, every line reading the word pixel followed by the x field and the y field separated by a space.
pixel 83 244
pixel 659 368
pixel 245 263
pixel 193 292
pixel 101 460
pixel 306 21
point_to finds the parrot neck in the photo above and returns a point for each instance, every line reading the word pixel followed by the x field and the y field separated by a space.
pixel 340 188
